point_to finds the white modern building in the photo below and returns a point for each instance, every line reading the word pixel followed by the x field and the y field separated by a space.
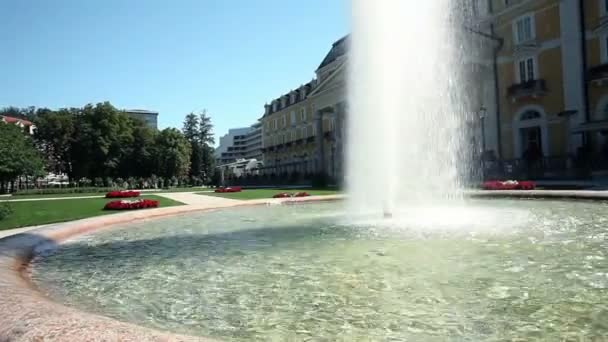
pixel 150 118
pixel 240 144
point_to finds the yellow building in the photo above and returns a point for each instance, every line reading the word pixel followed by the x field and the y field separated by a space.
pixel 551 79
pixel 302 130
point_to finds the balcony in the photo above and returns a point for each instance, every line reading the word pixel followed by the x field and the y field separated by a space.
pixel 310 139
pixel 598 75
pixel 526 90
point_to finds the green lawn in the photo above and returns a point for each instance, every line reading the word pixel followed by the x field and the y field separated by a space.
pixel 268 193
pixel 32 213
pixel 87 194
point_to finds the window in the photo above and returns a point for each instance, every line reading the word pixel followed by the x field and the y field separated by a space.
pixel 530 115
pixel 524 29
pixel 284 120
pixel 274 124
pixel 303 114
pixel 604 48
pixel 293 118
pixel 526 70
pixel 604 7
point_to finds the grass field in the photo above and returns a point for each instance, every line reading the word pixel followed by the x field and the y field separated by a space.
pixel 43 212
pixel 252 194
pixel 89 194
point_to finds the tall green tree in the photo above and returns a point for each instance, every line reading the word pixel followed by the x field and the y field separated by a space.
pixel 53 136
pixel 206 139
pixel 190 128
pixel 18 156
pixel 102 139
pixel 205 129
pixel 172 154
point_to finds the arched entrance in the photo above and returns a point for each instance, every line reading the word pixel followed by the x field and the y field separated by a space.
pixel 530 131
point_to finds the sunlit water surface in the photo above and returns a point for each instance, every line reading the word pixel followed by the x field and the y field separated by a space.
pixel 500 269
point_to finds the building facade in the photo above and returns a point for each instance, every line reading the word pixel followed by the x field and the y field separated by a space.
pixel 537 74
pixel 302 131
pixel 551 78
pixel 150 118
pixel 240 144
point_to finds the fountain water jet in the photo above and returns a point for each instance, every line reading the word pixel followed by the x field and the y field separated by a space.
pixel 406 112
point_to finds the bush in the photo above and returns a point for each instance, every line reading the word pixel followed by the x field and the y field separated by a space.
pixel 5 210
pixel 60 191
pixel 122 194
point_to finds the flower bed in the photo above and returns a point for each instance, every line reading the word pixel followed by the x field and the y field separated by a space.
pixel 508 185
pixel 131 205
pixel 229 189
pixel 282 195
pixel 122 194
pixel 288 195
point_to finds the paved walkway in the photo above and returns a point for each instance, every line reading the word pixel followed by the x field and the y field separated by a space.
pixel 191 198
pixel 9 232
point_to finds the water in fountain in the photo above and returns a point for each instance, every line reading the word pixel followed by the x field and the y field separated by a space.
pixel 405 128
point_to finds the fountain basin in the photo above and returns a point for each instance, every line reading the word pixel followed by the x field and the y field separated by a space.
pixel 366 277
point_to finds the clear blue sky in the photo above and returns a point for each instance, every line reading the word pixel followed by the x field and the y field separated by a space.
pixel 226 56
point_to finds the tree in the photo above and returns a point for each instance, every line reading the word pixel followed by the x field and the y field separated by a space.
pixel 172 154
pixel 53 136
pixel 207 164
pixel 102 141
pixel 141 161
pixel 191 133
pixel 18 156
pixel 205 132
pixel 190 129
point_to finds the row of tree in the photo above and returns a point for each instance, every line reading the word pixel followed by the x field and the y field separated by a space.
pixel 100 141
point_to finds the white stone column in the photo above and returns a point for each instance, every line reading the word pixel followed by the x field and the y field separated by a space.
pixel 572 64
pixel 339 136
pixel 319 143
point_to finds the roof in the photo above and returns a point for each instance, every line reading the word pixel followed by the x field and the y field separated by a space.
pixel 141 111
pixel 338 49
pixel 10 119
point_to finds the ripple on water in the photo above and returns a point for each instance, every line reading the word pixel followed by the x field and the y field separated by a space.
pixel 302 272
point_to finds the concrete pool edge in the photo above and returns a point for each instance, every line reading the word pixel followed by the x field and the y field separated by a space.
pixel 28 315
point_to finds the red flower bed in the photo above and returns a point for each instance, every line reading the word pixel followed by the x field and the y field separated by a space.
pixel 301 194
pixel 282 195
pixel 229 189
pixel 288 195
pixel 122 194
pixel 508 185
pixel 131 205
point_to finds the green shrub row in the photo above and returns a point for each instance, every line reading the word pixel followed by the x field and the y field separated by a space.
pixel 60 191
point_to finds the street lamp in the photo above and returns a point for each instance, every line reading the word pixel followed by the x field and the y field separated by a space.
pixel 483 113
